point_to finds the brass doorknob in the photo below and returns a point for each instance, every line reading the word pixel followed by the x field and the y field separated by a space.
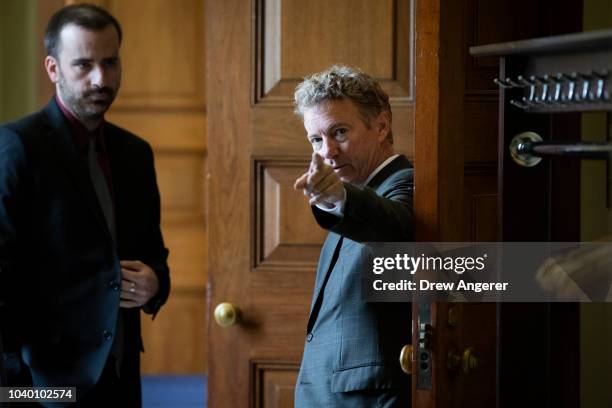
pixel 467 361
pixel 405 359
pixel 227 314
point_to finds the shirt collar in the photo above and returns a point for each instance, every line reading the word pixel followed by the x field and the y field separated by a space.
pixel 379 168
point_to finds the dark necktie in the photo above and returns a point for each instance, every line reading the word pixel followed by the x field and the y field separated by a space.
pixel 106 203
pixel 101 186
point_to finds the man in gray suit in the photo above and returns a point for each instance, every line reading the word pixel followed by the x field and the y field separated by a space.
pixel 361 192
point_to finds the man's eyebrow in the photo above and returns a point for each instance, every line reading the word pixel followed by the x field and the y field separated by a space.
pixel 336 125
pixel 330 128
pixel 81 60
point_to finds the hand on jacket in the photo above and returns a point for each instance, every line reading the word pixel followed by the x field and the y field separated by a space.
pixel 138 285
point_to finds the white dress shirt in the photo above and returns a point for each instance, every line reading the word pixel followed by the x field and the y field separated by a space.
pixel 338 208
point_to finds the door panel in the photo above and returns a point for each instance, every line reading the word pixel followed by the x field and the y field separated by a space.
pixel 263 241
pixel 456 160
pixel 280 242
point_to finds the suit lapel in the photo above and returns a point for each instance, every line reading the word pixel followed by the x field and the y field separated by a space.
pixel 64 149
pixel 329 257
pixel 325 266
pixel 333 242
pixel 397 164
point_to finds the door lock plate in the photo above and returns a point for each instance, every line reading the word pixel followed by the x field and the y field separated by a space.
pixel 424 355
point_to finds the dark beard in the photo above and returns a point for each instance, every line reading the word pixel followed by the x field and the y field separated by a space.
pixel 76 103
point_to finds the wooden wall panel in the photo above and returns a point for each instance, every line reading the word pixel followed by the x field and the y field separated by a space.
pixel 279 389
pixel 481 203
pixel 188 244
pixel 481 129
pixel 279 240
pixel 484 213
pixel 483 24
pixel 167 131
pixel 285 135
pixel 162 100
pixel 368 43
pixel 274 384
pixel 173 341
pixel 179 176
pixel 494 22
pixel 293 39
pixel 165 42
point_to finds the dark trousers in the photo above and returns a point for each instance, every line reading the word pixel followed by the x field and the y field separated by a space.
pixel 111 390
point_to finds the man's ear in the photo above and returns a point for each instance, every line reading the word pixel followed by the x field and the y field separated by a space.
pixel 52 68
pixel 383 125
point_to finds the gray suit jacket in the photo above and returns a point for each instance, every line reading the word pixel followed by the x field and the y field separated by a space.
pixel 352 347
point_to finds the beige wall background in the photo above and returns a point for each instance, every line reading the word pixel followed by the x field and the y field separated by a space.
pixel 596 223
pixel 18 54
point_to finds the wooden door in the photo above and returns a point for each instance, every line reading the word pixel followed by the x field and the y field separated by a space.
pixel 263 241
pixel 456 188
pixel 455 194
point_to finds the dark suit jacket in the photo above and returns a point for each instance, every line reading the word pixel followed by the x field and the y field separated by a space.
pixel 352 347
pixel 59 268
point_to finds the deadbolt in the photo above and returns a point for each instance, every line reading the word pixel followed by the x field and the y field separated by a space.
pixel 425 336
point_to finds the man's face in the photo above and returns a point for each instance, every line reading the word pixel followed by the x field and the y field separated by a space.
pixel 337 131
pixel 87 72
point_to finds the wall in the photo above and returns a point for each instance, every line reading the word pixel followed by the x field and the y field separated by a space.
pixel 18 48
pixel 596 318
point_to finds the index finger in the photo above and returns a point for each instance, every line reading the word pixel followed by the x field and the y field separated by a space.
pixel 301 183
pixel 316 162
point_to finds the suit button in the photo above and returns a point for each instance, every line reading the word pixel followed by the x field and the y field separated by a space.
pixel 309 337
pixel 107 335
pixel 114 285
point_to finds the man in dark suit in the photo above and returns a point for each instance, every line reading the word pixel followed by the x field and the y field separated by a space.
pixel 360 191
pixel 81 251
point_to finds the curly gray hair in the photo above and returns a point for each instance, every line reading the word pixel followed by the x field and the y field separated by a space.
pixel 342 82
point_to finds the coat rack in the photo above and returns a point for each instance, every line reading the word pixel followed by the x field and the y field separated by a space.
pixel 543 83
pixel 565 73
